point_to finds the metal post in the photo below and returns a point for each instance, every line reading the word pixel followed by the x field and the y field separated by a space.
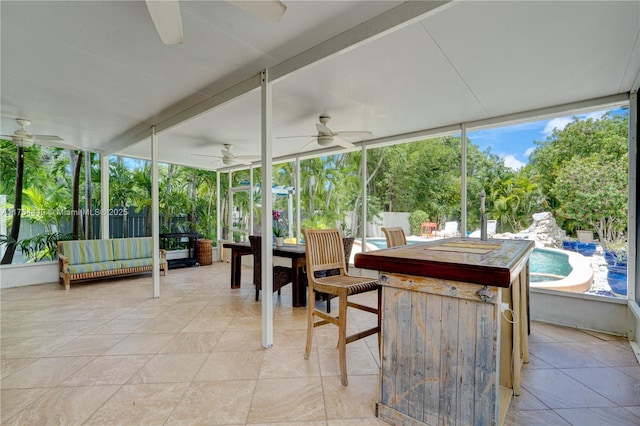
pixel 267 206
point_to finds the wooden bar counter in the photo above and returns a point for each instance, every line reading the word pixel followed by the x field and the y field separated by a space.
pixel 454 329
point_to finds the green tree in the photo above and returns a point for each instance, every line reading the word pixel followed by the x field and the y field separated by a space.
pixel 606 136
pixel 592 194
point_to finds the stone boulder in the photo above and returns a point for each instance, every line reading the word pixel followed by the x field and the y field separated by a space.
pixel 544 231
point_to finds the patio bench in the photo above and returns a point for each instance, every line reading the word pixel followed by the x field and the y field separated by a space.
pixel 89 259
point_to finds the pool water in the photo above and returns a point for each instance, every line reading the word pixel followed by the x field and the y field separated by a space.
pixel 546 265
pixel 381 243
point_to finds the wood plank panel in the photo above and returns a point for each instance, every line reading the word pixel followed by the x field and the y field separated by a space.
pixel 467 346
pixel 417 353
pixel 448 362
pixel 432 357
pixel 486 377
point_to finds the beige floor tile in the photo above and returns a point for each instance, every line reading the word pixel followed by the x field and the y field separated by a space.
pixel 12 401
pixel 168 368
pixel 287 362
pixel 163 324
pixel 141 344
pixel 295 399
pixel 120 326
pixel 535 418
pixel 234 341
pixel 192 342
pixel 557 390
pixel 369 421
pixel 616 386
pixel 231 366
pixel 562 355
pixel 88 345
pixel 30 347
pixel 146 404
pixel 609 354
pixel 224 403
pixel 45 372
pixel 203 324
pixel 64 406
pixel 11 365
pixel 599 416
pixel 526 401
pixel 360 361
pixel 108 370
pixel 354 401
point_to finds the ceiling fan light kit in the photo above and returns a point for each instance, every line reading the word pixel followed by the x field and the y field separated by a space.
pixel 23 138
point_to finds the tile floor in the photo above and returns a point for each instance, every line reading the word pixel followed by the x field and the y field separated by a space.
pixel 107 353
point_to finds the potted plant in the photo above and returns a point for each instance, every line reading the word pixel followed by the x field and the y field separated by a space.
pixel 616 257
pixel 570 244
pixel 279 228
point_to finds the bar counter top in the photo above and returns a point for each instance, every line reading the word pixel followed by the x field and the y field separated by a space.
pixel 491 262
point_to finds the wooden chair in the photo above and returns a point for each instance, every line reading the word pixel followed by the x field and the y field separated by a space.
pixel 347 244
pixel 325 251
pixel 281 274
pixel 395 236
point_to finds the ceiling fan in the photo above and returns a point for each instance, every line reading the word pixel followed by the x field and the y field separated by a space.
pixel 23 138
pixel 229 158
pixel 327 137
pixel 167 19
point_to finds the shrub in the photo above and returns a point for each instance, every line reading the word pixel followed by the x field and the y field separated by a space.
pixel 415 219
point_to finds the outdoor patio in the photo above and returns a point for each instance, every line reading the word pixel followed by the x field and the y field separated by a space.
pixel 107 353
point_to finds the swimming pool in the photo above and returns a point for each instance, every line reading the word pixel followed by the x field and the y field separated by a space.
pixel 562 270
pixel 548 268
pixel 547 265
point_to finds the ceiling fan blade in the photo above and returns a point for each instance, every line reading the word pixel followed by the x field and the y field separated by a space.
pixel 342 142
pixel 307 144
pixel 269 9
pixel 46 138
pixel 323 129
pixel 296 137
pixel 355 134
pixel 206 155
pixel 166 16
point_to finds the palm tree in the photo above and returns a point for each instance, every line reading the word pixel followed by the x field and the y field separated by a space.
pixel 12 238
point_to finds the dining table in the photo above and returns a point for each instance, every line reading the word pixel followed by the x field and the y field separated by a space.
pixel 295 252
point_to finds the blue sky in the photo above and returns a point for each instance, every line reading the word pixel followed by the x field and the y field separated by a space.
pixel 515 143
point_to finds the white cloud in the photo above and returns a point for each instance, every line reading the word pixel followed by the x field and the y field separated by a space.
pixel 512 162
pixel 529 151
pixel 561 122
pixel 557 123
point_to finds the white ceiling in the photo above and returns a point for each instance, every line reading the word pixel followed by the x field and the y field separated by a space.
pixel 96 72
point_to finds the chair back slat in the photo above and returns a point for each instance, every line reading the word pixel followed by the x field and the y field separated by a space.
pixel 324 250
pixel 395 236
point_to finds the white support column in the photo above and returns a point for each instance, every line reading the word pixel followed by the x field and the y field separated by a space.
pixel 267 206
pixel 251 201
pixel 104 196
pixel 633 221
pixel 229 207
pixel 155 214
pixel 298 185
pixel 218 216
pixel 463 181
pixel 364 198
